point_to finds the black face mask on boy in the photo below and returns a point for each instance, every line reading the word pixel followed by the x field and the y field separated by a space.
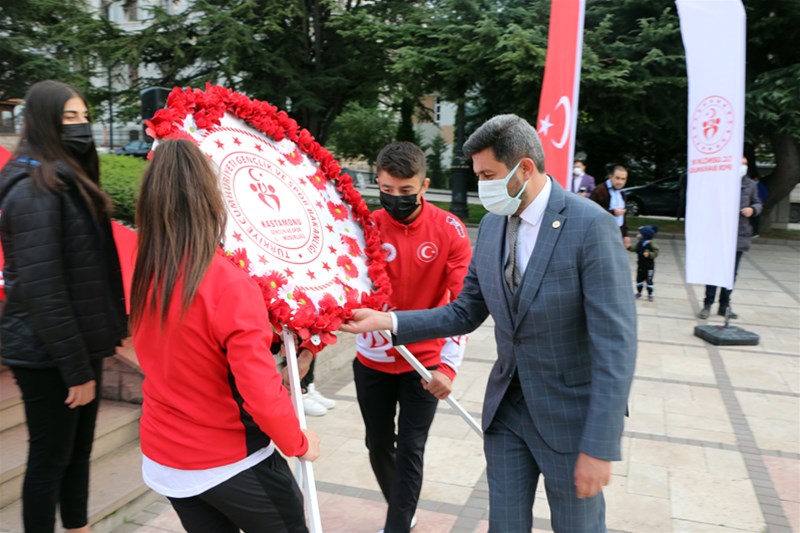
pixel 77 138
pixel 399 207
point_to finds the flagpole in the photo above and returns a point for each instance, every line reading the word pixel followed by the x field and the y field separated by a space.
pixel 426 375
pixel 305 476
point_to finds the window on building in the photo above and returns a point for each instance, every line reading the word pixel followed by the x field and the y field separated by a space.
pixel 437 110
pixel 7 120
pixel 132 11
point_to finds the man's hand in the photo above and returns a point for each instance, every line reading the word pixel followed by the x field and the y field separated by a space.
pixel 440 385
pixel 313 445
pixel 365 320
pixel 646 254
pixel 747 212
pixel 626 241
pixel 80 394
pixel 591 475
pixel 618 211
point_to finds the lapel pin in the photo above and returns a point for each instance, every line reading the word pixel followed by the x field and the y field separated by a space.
pixel 556 224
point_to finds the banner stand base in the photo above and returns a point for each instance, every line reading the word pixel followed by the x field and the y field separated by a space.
pixel 726 335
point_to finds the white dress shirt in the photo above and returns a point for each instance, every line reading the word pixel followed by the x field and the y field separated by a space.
pixel 529 227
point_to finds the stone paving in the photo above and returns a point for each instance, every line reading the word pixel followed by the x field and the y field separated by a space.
pixel 712 443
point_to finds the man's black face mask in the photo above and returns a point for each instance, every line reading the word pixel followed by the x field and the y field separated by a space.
pixel 399 207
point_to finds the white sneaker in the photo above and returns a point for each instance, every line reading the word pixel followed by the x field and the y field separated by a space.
pixel 319 398
pixel 312 407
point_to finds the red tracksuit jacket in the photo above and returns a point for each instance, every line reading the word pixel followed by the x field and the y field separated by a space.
pixel 212 394
pixel 426 261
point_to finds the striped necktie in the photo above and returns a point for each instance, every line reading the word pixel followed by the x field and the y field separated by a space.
pixel 511 271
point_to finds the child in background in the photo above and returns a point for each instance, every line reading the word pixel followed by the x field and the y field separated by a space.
pixel 646 251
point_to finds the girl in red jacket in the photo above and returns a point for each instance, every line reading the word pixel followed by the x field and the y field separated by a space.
pixel 214 406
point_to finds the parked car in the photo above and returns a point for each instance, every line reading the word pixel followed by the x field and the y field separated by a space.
pixel 134 148
pixel 664 197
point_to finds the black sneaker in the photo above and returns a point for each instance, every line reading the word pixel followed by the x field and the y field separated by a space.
pixel 704 312
pixel 638 295
pixel 649 297
pixel 721 312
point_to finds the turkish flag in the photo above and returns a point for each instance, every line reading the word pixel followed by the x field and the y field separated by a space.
pixel 126 240
pixel 558 105
pixel 5 155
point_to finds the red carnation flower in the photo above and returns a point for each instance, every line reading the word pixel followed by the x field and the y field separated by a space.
pixel 352 245
pixel 239 256
pixel 318 180
pixel 294 157
pixel 347 266
pixel 339 211
pixel 272 282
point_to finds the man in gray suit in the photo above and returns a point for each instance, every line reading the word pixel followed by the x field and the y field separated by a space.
pixel 551 270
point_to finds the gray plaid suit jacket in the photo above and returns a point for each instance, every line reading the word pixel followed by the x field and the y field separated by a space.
pixel 570 328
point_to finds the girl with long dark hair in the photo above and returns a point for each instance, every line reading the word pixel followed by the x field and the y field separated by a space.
pixel 214 406
pixel 64 309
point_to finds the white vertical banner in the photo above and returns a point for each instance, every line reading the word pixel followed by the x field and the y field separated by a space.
pixel 713 34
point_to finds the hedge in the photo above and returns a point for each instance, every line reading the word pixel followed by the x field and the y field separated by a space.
pixel 120 176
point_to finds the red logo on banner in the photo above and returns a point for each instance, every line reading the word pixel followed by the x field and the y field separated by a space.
pixel 559 99
pixel 712 124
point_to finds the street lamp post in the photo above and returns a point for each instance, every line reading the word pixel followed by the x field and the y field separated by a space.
pixel 459 170
pixel 110 112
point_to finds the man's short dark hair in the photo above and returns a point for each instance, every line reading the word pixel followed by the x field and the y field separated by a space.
pixel 510 137
pixel 401 159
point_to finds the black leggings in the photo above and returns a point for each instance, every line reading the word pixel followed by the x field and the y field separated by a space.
pixel 60 444
pixel 263 499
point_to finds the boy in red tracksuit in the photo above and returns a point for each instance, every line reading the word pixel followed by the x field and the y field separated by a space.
pixel 427 255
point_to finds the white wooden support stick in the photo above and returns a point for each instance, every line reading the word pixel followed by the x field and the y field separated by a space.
pixel 426 375
pixel 306 469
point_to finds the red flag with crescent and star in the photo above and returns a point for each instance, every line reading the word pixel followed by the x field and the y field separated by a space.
pixel 558 104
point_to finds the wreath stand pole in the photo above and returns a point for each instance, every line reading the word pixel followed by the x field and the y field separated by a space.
pixel 426 375
pixel 305 472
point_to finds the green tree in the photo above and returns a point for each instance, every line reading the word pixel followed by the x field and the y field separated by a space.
pixel 434 152
pixel 773 92
pixel 50 39
pixel 360 132
pixel 310 57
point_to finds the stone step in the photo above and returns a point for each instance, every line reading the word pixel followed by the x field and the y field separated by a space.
pixel 117 425
pixel 116 492
pixel 12 411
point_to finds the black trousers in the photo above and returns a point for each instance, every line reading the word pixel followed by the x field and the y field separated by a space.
pixel 396 459
pixel 724 294
pixel 308 379
pixel 644 275
pixel 60 442
pixel 263 499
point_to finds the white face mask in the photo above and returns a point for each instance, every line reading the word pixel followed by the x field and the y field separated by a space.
pixel 495 198
pixel 744 170
pixel 577 172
